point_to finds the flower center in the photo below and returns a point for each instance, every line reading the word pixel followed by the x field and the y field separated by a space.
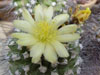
pixel 45 31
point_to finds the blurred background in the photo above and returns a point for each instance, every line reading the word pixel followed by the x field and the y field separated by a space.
pixel 90 38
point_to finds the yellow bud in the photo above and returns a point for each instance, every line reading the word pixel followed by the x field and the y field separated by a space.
pixel 82 15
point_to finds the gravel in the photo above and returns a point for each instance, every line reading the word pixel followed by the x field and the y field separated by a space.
pixel 91 46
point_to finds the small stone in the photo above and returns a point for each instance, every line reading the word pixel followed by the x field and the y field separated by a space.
pixel 11 43
pixel 78 70
pixel 15 57
pixel 76 43
pixel 19 47
pixel 26 55
pixel 54 73
pixel 17 72
pixel 28 5
pixel 17 30
pixel 15 4
pixel 64 11
pixel 7 57
pixel 32 2
pixel 11 4
pixel 26 68
pixel 20 10
pixel 16 12
pixel 82 31
pixel 30 10
pixel 64 2
pixel 61 10
pixel 54 65
pixel 43 69
pixel 64 62
pixel 53 3
pixel 8 41
pixel 74 53
pixel 81 46
pixel 10 72
pixel 98 39
pixel 79 61
pixel 69 72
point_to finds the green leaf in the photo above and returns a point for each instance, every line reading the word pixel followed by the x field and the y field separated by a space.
pixel 47 2
pixel 34 70
pixel 61 69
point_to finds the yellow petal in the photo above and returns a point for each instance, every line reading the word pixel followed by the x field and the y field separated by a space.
pixel 26 42
pixel 24 39
pixel 50 54
pixel 68 37
pixel 36 52
pixel 82 15
pixel 60 49
pixel 23 25
pixel 39 13
pixel 68 29
pixel 36 60
pixel 60 19
pixel 21 35
pixel 27 16
pixel 49 13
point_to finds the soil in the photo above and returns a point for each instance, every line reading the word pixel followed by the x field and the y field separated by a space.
pixel 91 46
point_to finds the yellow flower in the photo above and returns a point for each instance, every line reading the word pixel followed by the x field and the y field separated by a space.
pixel 82 15
pixel 42 34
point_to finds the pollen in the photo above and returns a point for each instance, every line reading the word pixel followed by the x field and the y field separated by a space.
pixel 45 31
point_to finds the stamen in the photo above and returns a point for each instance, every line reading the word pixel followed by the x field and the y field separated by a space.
pixel 45 31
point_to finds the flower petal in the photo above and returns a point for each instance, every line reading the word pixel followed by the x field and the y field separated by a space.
pixel 36 52
pixel 50 54
pixel 36 60
pixel 39 13
pixel 68 37
pixel 27 16
pixel 60 49
pixel 21 35
pixel 23 25
pixel 68 29
pixel 49 13
pixel 60 19
pixel 24 39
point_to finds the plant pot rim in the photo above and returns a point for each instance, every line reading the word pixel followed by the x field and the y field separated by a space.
pixel 89 4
